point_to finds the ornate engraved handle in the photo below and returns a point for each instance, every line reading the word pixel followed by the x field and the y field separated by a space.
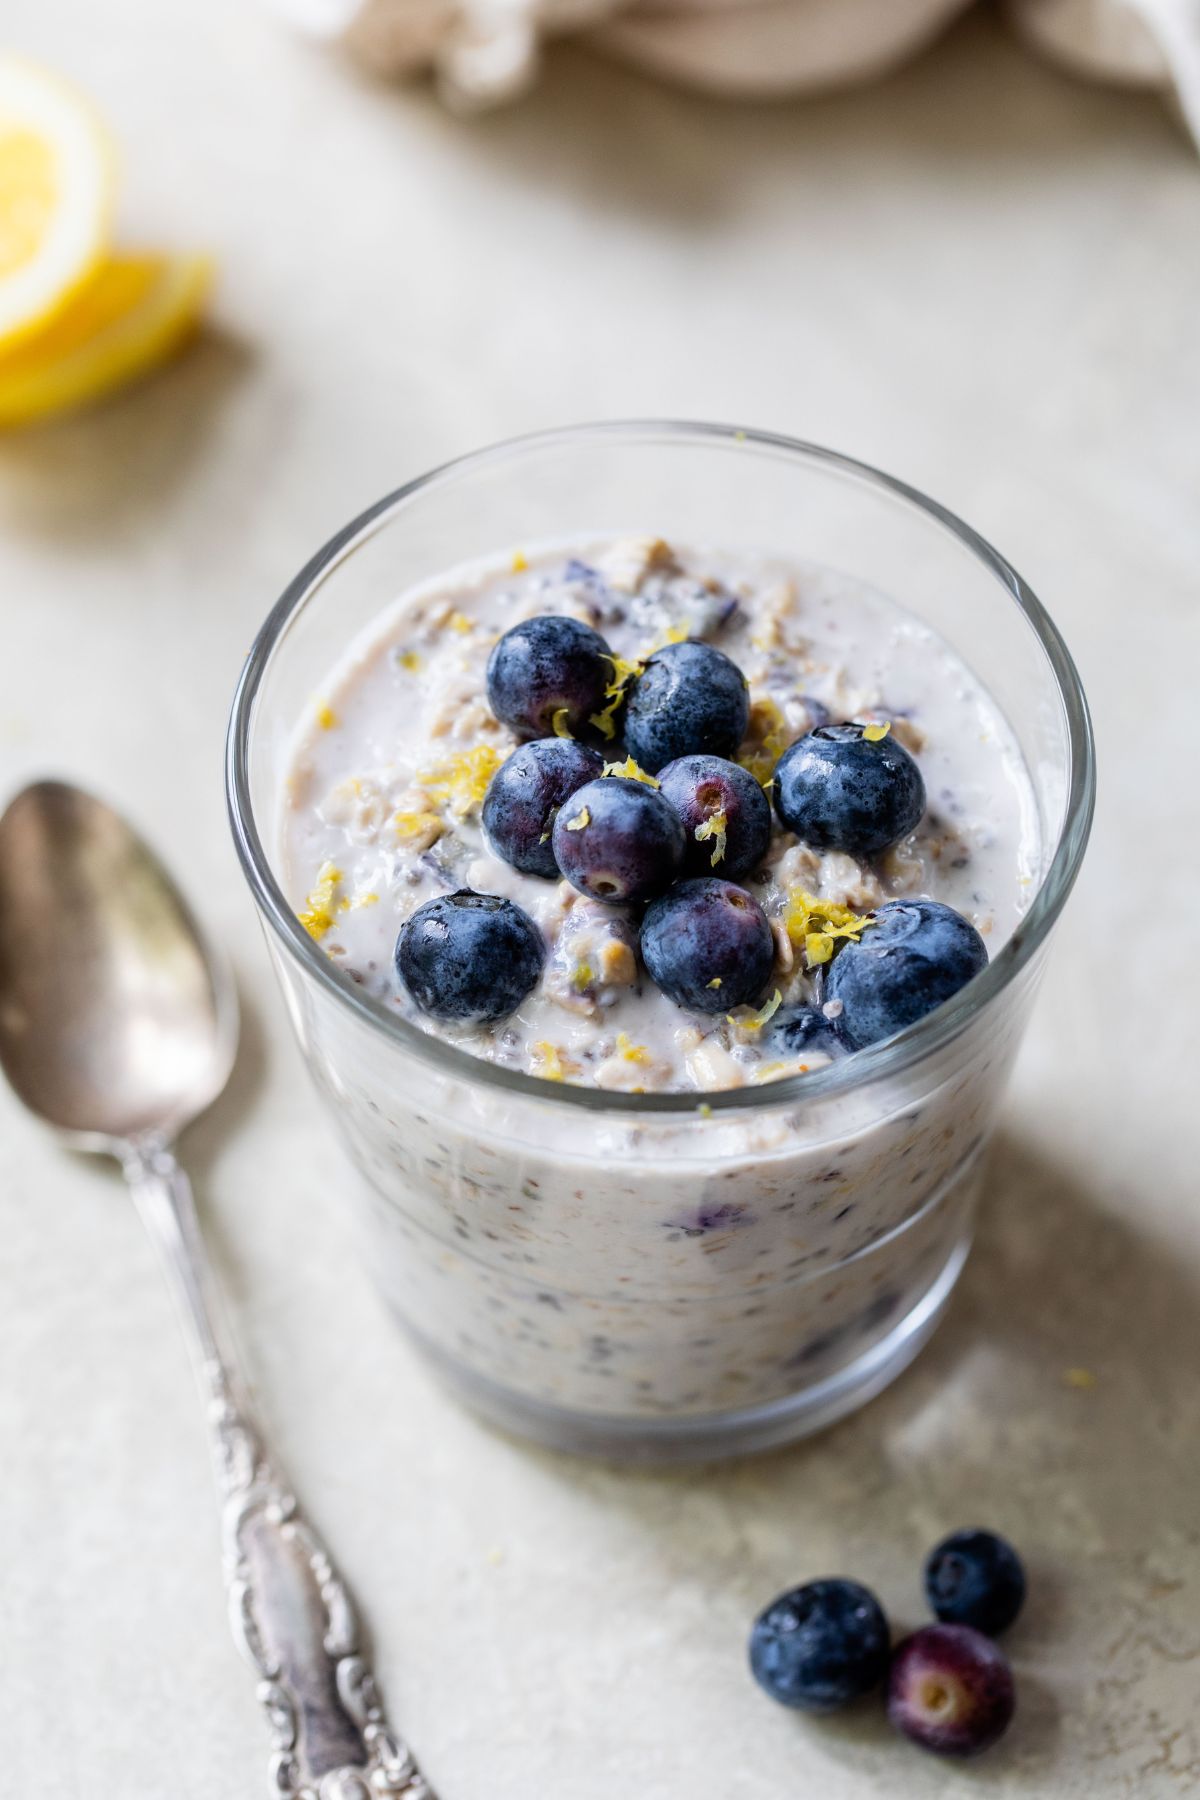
pixel 290 1613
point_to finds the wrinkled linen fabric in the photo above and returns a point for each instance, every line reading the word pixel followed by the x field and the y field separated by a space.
pixel 483 52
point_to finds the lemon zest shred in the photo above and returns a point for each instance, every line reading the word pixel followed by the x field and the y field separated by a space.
pixel 461 781
pixel 714 827
pixel 876 732
pixel 579 821
pixel 360 900
pixel 551 1062
pixel 630 771
pixel 769 726
pixel 326 717
pixel 674 634
pixel 520 562
pixel 558 720
pixel 408 659
pixel 756 1020
pixel 815 925
pixel 634 1053
pixel 459 622
pixel 317 914
pixel 412 824
pixel 715 982
pixel 772 1070
pixel 583 977
pixel 623 673
pixel 705 1110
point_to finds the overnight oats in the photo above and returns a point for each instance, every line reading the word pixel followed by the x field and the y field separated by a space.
pixel 653 846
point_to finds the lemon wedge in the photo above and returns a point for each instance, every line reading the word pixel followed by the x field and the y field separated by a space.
pixel 132 315
pixel 57 176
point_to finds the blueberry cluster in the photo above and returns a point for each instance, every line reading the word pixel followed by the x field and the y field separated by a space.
pixel 949 1687
pixel 672 828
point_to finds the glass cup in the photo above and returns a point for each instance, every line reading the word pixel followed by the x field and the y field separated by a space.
pixel 665 1276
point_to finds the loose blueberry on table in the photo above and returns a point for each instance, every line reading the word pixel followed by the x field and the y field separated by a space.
pixel 618 840
pixel 950 1690
pixel 849 787
pixel 820 1646
pixel 524 796
pixel 708 945
pixel 975 1578
pixel 469 957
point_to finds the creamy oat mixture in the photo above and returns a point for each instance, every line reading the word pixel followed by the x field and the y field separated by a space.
pixel 383 800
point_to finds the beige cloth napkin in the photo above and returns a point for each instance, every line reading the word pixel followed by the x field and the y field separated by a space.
pixel 483 52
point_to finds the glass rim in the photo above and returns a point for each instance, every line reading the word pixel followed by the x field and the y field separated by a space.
pixel 877 1061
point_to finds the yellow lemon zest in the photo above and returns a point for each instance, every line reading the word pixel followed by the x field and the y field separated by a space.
pixel 558 719
pixel 705 1110
pixel 462 779
pixel 326 717
pixel 371 899
pixel 412 824
pixel 714 827
pixel 814 924
pixel 875 733
pixel 768 729
pixel 715 982
pixel 550 1063
pixel 459 622
pixel 756 1020
pixel 614 693
pixel 634 1053
pixel 583 977
pixel 319 908
pixel 408 659
pixel 629 771
pixel 520 562
pixel 674 634
pixel 579 821
pixel 773 1070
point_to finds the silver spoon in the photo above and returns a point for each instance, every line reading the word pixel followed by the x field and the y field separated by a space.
pixel 117 1027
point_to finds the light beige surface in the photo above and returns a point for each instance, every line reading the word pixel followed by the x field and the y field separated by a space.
pixel 978 275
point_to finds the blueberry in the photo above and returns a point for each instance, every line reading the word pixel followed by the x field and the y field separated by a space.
pixel 820 1646
pixel 913 958
pixel 724 803
pixel 975 1578
pixel 707 945
pixel 548 673
pixel 618 840
pixel 798 1029
pixel 689 698
pixel 525 793
pixel 840 790
pixel 950 1690
pixel 469 957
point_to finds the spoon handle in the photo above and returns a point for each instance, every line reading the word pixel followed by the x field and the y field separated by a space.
pixel 291 1616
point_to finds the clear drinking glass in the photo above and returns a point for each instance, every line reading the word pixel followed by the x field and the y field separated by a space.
pixel 664 1276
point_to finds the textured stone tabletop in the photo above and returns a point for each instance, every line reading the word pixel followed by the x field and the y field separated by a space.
pixel 978 275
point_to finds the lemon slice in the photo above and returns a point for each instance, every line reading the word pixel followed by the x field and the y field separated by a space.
pixel 57 172
pixel 132 314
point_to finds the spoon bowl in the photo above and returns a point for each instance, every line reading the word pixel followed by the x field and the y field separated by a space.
pixel 117 1020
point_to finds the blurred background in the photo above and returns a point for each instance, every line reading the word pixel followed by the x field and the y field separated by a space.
pixel 977 271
